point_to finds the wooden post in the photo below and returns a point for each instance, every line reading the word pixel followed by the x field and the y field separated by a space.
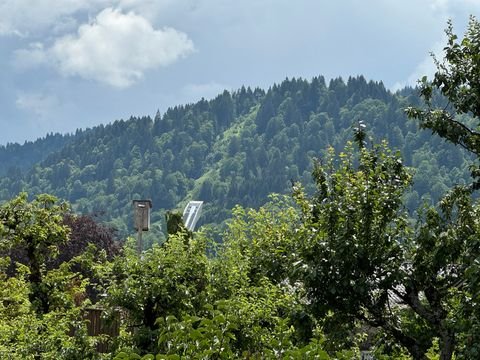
pixel 139 241
pixel 141 210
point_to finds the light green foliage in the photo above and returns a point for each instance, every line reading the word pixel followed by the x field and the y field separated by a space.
pixel 38 222
pixel 263 239
pixel 248 308
pixel 37 228
pixel 167 280
pixel 58 334
pixel 251 272
pixel 352 228
pixel 251 277
pixel 198 338
pixel 41 311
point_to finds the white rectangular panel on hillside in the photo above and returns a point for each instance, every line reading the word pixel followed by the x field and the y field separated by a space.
pixel 191 214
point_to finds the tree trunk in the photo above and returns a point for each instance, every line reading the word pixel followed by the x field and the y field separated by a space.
pixel 414 348
pixel 38 297
pixel 447 345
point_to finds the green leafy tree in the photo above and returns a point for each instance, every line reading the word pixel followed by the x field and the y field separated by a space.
pixel 42 308
pixel 361 260
pixel 36 226
pixel 59 334
pixel 450 237
pixel 167 280
pixel 457 79
pixel 249 309
pixel 351 253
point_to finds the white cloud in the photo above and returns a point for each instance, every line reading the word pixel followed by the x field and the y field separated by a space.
pixel 426 67
pixel 31 57
pixel 115 49
pixel 41 105
pixel 458 10
pixel 26 17
pixel 439 5
pixel 453 5
pixel 150 8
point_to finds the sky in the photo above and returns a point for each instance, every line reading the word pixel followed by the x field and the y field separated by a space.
pixel 69 64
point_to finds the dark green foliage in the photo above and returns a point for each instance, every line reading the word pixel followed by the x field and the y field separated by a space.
pixel 350 241
pixel 448 237
pixel 174 222
pixel 361 260
pixel 167 280
pixel 15 158
pixel 175 226
pixel 235 149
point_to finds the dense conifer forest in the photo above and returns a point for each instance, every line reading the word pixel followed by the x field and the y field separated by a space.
pixel 235 149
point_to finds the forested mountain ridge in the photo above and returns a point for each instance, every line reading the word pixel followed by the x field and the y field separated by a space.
pixel 235 149
pixel 15 157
